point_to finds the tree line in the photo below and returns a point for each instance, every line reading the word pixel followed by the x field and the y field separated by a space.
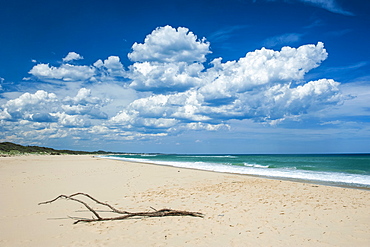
pixel 10 148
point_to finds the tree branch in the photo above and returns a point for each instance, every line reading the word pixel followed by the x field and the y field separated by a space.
pixel 124 214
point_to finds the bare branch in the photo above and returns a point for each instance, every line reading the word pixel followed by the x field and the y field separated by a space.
pixel 73 199
pixel 99 202
pixel 126 215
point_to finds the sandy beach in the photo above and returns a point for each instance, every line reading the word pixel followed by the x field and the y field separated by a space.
pixel 239 210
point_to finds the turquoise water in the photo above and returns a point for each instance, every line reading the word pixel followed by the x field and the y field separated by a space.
pixel 334 169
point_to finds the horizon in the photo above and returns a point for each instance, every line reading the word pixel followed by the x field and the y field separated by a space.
pixel 217 154
pixel 187 77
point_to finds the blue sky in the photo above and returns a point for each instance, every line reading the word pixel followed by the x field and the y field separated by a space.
pixel 238 76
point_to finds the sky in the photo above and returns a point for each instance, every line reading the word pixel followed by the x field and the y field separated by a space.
pixel 186 76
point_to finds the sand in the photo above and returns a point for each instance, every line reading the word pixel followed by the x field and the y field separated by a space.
pixel 239 210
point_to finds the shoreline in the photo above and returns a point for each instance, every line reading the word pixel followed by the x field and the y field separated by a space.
pixel 240 210
pixel 298 180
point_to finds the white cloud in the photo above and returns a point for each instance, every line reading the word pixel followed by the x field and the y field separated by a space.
pixel 152 112
pixel 150 76
pixel 205 126
pixel 168 90
pixel 98 129
pixel 111 67
pixel 66 72
pixel 28 106
pixel 83 97
pixel 261 67
pixel 67 120
pixel 279 102
pixel 72 56
pixel 84 104
pixel 43 114
pixel 1 82
pixel 114 95
pixel 167 44
pixel 4 114
pixel 269 104
pixel 169 110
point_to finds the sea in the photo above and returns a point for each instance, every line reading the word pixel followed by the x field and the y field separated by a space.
pixel 345 170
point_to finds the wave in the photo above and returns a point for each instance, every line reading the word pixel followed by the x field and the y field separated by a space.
pixel 207 156
pixel 256 165
pixel 291 173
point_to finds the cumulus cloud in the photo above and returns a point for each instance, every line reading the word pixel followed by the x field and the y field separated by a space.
pixel 83 97
pixel 150 112
pixel 84 104
pixel 168 44
pixel 67 120
pixel 263 86
pixel 261 67
pixel 66 72
pixel 28 105
pixel 110 68
pixel 190 109
pixel 150 76
pixel 168 89
pixel 170 59
pixel 72 56
pixel 43 110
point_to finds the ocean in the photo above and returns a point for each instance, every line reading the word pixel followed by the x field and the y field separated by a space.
pixel 348 170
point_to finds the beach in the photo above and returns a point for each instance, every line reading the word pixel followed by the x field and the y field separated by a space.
pixel 238 210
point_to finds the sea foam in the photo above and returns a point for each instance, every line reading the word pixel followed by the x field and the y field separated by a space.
pixel 333 178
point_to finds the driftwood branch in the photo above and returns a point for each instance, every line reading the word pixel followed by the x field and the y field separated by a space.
pixel 123 214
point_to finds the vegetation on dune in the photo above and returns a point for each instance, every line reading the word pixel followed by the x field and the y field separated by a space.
pixel 8 148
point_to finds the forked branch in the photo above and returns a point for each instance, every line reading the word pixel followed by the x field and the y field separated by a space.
pixel 123 214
